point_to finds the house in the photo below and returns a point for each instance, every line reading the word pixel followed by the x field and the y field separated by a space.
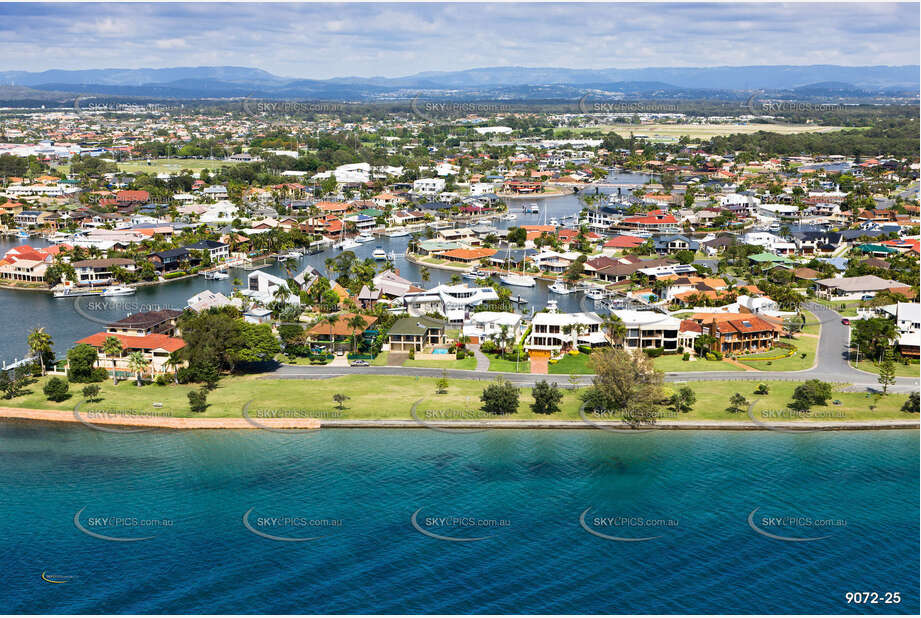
pixel 649 329
pixel 338 335
pixel 264 288
pixel 467 256
pixel 99 272
pixel 128 198
pixel 171 259
pixel 207 299
pixel 551 331
pixel 156 349
pixel 737 334
pixel 217 192
pixel 415 333
pixel 451 301
pixel 855 288
pixel 429 186
pixel 654 221
pixel 218 251
pixel 367 297
pixel 488 326
pixel 670 244
pixel 160 322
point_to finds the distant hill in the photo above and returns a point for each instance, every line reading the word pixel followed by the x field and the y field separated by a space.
pixel 491 82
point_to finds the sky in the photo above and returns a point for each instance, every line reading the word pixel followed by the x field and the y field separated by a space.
pixel 335 40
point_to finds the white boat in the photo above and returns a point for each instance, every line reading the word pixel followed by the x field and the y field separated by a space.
pixel 560 288
pixel 397 233
pixel 362 238
pixel 533 209
pixel 595 293
pixel 379 254
pixel 346 245
pixel 22 234
pixel 118 290
pixel 217 275
pixel 67 292
pixel 475 274
pixel 523 281
pixel 555 222
pixel 510 217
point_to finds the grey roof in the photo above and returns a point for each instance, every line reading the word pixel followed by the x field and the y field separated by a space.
pixel 415 326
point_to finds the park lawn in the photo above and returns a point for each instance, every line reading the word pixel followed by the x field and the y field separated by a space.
pixel 901 370
pixel 793 363
pixel 392 397
pixel 380 360
pixel 507 366
pixel 673 363
pixel 174 165
pixel 468 362
pixel 571 364
pixel 713 399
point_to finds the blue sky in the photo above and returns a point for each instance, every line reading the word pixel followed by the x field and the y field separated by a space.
pixel 329 40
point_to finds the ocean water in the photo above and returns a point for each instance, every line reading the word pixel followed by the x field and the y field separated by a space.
pixel 521 493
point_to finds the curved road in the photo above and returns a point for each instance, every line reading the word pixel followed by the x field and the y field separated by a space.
pixel 831 366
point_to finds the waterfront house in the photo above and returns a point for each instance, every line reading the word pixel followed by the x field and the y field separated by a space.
pixel 156 349
pixel 649 329
pixel 99 272
pixel 484 326
pixel 739 333
pixel 159 322
pixel 218 251
pixel 552 332
pixel 171 259
pixel 339 335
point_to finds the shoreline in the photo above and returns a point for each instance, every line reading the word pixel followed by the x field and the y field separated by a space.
pixel 67 416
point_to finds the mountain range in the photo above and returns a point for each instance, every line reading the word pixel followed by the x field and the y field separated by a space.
pixel 493 82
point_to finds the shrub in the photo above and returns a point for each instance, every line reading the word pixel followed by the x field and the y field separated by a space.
pixel 198 400
pixel 547 398
pixel 811 393
pixel 686 356
pixel 654 352
pixel 762 389
pixel 911 404
pixel 489 347
pixel 500 397
pixel 412 353
pixel 711 356
pixel 56 389
pixel 161 380
pixel 90 391
pixel 460 355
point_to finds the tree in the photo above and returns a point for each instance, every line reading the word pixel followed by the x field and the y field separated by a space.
pixel 41 344
pixel 81 359
pixel 138 364
pixel 499 398
pixel 340 399
pixel 547 398
pixel 90 392
pixel 12 381
pixel 173 361
pixel 912 403
pixel 258 344
pixel 441 386
pixel 737 403
pixel 331 319
pixel 614 328
pixel 887 370
pixel 811 393
pixel 357 325
pixel 112 348
pixel 684 399
pixel 762 389
pixel 198 400
pixel 625 381
pixel 56 389
pixel 873 336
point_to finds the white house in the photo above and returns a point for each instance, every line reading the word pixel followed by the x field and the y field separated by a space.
pixel 649 329
pixel 553 331
pixel 487 326
pixel 429 186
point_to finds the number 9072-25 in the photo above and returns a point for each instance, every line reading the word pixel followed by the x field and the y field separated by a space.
pixel 873 598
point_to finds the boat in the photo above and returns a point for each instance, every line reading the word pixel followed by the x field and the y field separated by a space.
pixel 290 255
pixel 510 217
pixel 118 290
pixel 379 254
pixel 475 274
pixel 595 293
pixel 69 291
pixel 397 233
pixel 217 275
pixel 364 238
pixel 560 288
pixel 22 234
pixel 523 281
pixel 533 208
pixel 555 222
pixel 346 245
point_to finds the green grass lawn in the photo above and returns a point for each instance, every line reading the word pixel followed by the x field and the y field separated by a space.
pixel 468 362
pixel 793 363
pixel 380 360
pixel 812 324
pixel 673 362
pixel 571 364
pixel 846 308
pixel 373 397
pixel 901 370
pixel 507 366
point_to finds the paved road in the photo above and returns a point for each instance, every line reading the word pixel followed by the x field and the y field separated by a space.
pixel 832 366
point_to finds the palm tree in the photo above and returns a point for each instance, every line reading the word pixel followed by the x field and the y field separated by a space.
pixel 40 343
pixel 615 329
pixel 174 361
pixel 331 319
pixel 138 364
pixel 112 348
pixel 357 325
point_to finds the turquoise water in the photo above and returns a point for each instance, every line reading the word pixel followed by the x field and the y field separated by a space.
pixel 523 490
pixel 440 351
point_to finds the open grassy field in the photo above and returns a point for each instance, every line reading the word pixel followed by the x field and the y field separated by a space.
pixel 468 362
pixel 701 131
pixel 901 370
pixel 673 362
pixel 378 397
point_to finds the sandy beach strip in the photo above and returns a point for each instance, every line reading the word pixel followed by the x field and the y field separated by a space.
pixel 157 422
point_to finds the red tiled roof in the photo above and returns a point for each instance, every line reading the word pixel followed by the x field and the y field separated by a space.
pixel 147 342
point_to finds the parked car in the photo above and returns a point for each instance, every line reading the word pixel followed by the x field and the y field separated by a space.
pixel 360 363
pixel 339 353
pixel 845 321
